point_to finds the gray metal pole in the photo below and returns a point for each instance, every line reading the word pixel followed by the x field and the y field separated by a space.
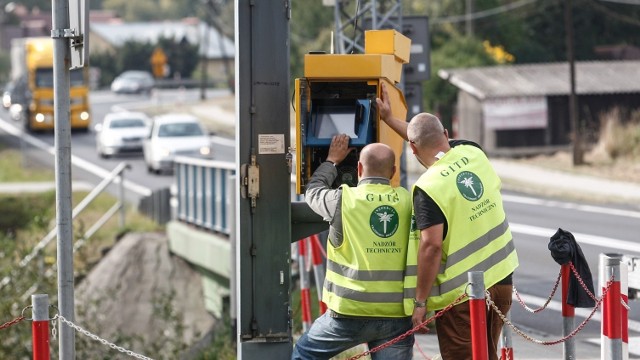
pixel 505 339
pixel 40 303
pixel 233 287
pixel 62 130
pixel 569 346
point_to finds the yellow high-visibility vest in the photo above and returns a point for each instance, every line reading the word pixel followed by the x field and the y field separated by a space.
pixel 365 273
pixel 467 190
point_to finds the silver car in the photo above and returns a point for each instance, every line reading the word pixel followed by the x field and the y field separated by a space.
pixel 133 82
pixel 175 135
pixel 121 132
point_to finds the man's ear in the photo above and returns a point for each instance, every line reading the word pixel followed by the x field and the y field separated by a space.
pixel 360 169
pixel 413 147
pixel 446 134
pixel 393 171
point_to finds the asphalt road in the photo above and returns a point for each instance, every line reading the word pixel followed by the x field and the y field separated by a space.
pixel 598 228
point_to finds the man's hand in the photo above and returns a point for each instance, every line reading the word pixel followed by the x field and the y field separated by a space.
pixel 384 104
pixel 419 316
pixel 339 148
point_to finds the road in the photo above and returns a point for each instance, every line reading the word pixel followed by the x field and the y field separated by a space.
pixel 598 228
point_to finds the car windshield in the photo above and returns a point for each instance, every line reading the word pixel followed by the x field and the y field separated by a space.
pixel 179 129
pixel 127 123
pixel 135 76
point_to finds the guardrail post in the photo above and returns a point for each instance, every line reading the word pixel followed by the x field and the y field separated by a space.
pixel 478 314
pixel 122 202
pixel 40 326
pixel 568 316
pixel 612 310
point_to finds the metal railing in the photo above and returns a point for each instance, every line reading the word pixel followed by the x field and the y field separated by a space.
pixel 201 193
pixel 115 176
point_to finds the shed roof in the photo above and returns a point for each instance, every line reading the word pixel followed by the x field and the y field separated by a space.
pixel 118 33
pixel 592 77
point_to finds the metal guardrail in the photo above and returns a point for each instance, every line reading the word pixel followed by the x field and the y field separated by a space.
pixel 201 192
pixel 115 176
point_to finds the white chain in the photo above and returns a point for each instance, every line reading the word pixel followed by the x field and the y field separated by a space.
pixel 99 339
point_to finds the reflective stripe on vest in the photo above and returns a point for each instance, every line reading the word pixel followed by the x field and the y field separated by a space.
pixel 467 190
pixel 365 273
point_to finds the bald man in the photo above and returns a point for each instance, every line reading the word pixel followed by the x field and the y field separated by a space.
pixel 462 227
pixel 366 257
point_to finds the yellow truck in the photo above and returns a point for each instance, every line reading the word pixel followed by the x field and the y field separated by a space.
pixel 32 74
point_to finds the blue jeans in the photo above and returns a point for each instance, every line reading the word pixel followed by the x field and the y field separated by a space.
pixel 329 336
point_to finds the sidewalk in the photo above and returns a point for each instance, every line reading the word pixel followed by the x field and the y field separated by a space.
pixel 427 348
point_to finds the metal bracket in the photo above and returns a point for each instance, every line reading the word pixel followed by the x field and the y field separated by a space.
pixel 64 33
pixel 250 175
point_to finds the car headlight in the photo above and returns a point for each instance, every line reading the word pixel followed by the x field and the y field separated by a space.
pixel 165 152
pixel 39 117
pixel 205 151
pixel 84 116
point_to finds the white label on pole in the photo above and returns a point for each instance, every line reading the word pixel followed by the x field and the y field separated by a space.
pixel 271 144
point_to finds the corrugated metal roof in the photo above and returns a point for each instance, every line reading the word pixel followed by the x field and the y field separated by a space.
pixel 119 33
pixel 593 77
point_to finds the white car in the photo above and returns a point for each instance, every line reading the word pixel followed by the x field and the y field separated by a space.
pixel 175 135
pixel 121 132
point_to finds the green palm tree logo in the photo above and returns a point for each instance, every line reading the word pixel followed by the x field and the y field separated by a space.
pixel 469 185
pixel 384 221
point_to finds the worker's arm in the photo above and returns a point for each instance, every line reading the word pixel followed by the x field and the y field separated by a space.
pixel 320 196
pixel 384 109
pixel 429 256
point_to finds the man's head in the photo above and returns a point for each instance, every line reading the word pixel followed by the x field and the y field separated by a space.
pixel 427 137
pixel 377 159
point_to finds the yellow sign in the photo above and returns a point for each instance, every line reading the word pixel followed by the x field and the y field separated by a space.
pixel 158 62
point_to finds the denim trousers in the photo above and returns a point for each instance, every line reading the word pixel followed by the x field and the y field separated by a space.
pixel 329 336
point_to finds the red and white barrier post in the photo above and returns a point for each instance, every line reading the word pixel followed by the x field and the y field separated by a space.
pixel 612 313
pixel 478 315
pixel 506 351
pixel 568 316
pixel 40 326
pixel 305 296
pixel 318 269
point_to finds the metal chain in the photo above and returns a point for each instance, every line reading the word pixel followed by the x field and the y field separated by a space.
pixel 544 306
pixel 624 304
pixel 584 286
pixel 554 342
pixel 99 339
pixel 11 323
pixel 414 329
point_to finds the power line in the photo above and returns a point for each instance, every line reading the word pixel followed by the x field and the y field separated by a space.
pixel 486 13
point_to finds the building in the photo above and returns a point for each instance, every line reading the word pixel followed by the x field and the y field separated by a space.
pixel 520 110
pixel 217 49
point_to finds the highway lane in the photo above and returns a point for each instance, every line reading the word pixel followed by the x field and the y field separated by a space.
pixel 598 228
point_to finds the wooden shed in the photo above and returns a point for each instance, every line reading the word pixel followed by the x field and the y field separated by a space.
pixel 516 110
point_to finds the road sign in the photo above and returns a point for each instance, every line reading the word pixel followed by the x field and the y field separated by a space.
pixel 158 62
pixel 79 39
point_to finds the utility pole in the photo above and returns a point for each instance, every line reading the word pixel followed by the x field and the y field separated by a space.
pixel 62 129
pixel 578 154
pixel 468 23
pixel 263 213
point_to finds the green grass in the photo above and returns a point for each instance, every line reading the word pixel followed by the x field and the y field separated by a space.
pixel 11 169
